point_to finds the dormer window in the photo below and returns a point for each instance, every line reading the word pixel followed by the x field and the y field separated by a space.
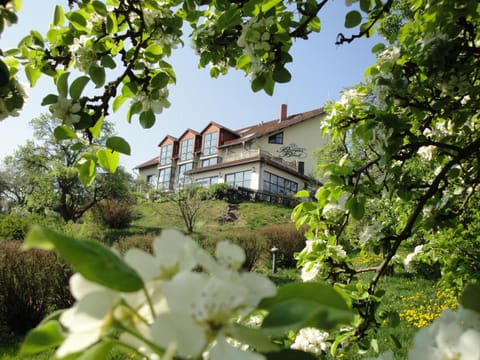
pixel 276 138
pixel 166 154
pixel 186 150
pixel 210 143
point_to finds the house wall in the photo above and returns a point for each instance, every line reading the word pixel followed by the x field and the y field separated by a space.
pixel 149 172
pixel 304 135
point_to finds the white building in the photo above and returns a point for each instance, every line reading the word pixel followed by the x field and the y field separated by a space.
pixel 274 156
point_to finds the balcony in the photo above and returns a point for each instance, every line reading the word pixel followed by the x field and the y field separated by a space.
pixel 235 155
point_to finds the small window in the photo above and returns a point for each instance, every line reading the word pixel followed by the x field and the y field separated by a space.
pixel 276 138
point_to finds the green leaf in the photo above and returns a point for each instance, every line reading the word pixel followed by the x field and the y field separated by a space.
pixel 269 85
pixel 243 61
pixel 256 338
pixel 49 99
pixel 160 80
pixel 46 336
pixel 356 207
pixel 78 21
pixel 63 132
pixel 147 119
pixel 352 19
pixel 77 87
pixel 299 305
pixel 90 258
pixel 108 62
pixel 314 24
pixel 98 351
pixel 118 144
pixel 97 74
pixel 365 5
pixel 302 193
pixel 95 129
pixel 378 47
pixel 86 172
pixel 229 18
pixel 269 4
pixel 62 84
pixel 469 298
pixel 290 354
pixel 118 102
pixel 58 16
pixel 108 159
pixel 153 53
pixel 135 108
pixel 112 26
pixel 100 7
pixel 33 74
pixel 281 75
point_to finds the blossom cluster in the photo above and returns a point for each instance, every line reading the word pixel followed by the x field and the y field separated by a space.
pixel 186 309
pixel 255 40
pixel 311 340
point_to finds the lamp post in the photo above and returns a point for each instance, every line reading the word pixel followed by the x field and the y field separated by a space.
pixel 274 251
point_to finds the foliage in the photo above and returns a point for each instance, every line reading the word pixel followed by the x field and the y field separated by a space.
pixel 14 226
pixel 189 201
pixel 287 239
pixel 33 283
pixel 222 191
pixel 119 296
pixel 142 242
pixel 114 213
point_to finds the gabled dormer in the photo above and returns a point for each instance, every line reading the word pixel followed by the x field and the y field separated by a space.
pixel 189 143
pixel 215 135
pixel 168 150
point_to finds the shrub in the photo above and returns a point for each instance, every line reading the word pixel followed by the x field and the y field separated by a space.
pixel 142 242
pixel 223 192
pixel 33 283
pixel 14 226
pixel 287 239
pixel 115 213
pixel 253 244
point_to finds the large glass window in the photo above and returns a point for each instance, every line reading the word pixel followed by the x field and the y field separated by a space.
pixel 278 185
pixel 164 176
pixel 241 178
pixel 207 181
pixel 166 154
pixel 182 178
pixel 208 162
pixel 210 143
pixel 186 150
pixel 276 138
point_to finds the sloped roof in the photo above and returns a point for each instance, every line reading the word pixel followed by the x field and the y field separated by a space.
pixel 272 126
pixel 152 162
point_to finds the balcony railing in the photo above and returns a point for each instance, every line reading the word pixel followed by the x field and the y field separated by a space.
pixel 229 155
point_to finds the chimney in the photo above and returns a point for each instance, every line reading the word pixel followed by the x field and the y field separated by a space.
pixel 283 112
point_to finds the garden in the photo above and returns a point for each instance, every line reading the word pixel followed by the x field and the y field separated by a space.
pixel 380 261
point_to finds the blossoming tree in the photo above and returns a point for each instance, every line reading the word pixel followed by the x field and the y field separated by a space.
pixel 420 104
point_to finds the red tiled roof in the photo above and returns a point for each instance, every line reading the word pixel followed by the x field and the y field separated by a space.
pixel 268 127
pixel 152 162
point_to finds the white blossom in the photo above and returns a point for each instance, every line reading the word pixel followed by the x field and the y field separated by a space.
pixel 408 261
pixel 450 337
pixel 426 152
pixel 311 340
pixel 370 233
pixel 66 110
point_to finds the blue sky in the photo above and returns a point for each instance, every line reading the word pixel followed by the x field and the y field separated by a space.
pixel 320 70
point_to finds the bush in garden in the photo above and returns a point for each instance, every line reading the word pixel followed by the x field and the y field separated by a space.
pixel 287 239
pixel 33 283
pixel 142 242
pixel 14 226
pixel 115 213
pixel 222 191
pixel 253 244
